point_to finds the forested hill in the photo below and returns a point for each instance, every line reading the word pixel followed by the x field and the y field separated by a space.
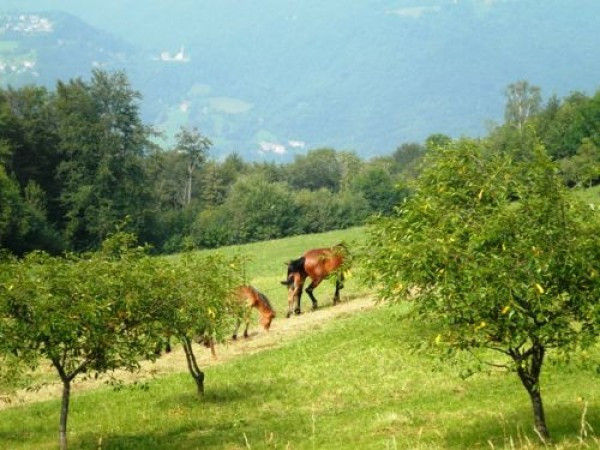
pixel 271 78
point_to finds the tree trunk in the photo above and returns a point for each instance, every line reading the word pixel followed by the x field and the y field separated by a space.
pixel 538 415
pixel 195 371
pixel 64 413
pixel 188 187
pixel 529 366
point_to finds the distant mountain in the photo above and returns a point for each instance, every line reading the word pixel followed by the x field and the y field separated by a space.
pixel 41 48
pixel 271 78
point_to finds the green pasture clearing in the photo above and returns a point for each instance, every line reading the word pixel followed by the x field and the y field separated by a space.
pixel 8 46
pixel 229 105
pixel 266 265
pixel 354 384
pixel 265 268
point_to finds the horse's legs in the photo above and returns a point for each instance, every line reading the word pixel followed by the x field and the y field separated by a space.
pixel 339 285
pixel 297 299
pixel 238 322
pixel 309 291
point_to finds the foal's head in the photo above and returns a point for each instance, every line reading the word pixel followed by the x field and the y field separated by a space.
pixel 266 320
pixel 267 313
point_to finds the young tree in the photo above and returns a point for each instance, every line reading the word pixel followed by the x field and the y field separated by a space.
pixel 86 315
pixel 523 100
pixel 203 290
pixel 11 209
pixel 194 147
pixel 407 160
pixel 583 168
pixel 498 252
pixel 320 168
pixel 380 190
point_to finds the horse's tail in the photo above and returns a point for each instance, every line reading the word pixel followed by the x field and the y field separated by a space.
pixel 297 265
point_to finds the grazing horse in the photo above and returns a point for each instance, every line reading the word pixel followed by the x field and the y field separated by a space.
pixel 252 298
pixel 317 264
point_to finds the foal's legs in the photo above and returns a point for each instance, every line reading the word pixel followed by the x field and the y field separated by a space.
pixel 309 291
pixel 235 330
pixel 246 322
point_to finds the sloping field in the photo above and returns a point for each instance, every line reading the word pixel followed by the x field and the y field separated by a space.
pixel 353 381
pixel 342 377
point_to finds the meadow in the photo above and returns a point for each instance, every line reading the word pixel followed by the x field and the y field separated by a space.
pixel 356 381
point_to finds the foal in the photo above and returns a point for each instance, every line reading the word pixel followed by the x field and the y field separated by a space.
pixel 254 299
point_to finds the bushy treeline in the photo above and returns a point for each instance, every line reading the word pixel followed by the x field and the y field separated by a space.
pixel 77 161
pixel 568 128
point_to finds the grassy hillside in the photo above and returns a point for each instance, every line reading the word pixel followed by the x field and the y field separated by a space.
pixel 354 384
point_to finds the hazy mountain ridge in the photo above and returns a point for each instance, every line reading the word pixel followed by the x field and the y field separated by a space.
pixel 365 76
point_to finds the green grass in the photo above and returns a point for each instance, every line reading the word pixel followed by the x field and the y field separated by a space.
pixel 354 384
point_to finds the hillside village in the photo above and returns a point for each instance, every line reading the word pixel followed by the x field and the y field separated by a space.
pixel 12 62
pixel 27 24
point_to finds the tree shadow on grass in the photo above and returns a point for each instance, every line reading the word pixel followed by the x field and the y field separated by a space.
pixel 196 435
pixel 216 395
pixel 515 430
pixel 198 422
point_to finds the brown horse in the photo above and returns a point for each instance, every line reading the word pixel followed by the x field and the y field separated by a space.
pixel 317 264
pixel 252 298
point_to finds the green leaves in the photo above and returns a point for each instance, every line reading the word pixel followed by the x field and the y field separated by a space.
pixel 498 253
pixel 107 310
pixel 486 240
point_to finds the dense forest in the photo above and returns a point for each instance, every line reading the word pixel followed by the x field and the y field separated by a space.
pixel 77 162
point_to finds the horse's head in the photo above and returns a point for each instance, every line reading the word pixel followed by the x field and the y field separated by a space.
pixel 267 313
